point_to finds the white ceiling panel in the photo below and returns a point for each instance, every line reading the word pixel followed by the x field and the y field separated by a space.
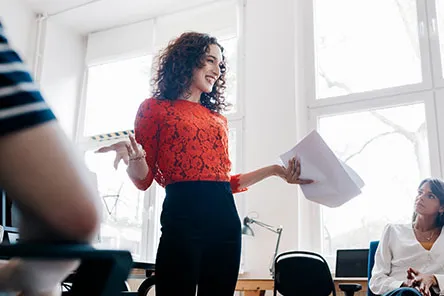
pixel 95 15
pixel 54 6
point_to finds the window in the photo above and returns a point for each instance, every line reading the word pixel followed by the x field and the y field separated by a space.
pixel 366 45
pixel 113 94
pixel 230 51
pixel 114 91
pixel 388 147
pixel 438 31
pixel 379 85
pixel 124 207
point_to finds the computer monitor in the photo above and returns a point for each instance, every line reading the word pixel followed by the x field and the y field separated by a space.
pixel 351 263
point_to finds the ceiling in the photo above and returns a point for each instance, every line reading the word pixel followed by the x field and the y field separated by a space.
pixel 87 16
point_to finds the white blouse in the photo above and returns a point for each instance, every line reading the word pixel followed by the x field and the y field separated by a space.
pixel 397 251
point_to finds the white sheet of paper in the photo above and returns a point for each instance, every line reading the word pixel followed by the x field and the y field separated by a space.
pixel 335 182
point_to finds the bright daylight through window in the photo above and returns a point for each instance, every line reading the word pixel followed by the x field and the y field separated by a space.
pixel 379 76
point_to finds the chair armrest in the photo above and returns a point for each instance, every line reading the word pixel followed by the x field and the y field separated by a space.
pixel 101 272
pixel 48 251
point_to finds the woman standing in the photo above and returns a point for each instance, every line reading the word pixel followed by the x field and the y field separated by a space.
pixel 184 147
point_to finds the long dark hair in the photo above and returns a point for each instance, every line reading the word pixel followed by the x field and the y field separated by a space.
pixel 175 65
pixel 437 188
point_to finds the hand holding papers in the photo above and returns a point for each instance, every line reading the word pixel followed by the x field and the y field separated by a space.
pixel 335 182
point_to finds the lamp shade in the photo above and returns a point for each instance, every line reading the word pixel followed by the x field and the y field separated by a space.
pixel 246 229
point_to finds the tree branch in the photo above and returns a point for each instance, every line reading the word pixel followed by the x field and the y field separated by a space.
pixel 422 128
pixel 368 143
pixel 331 83
pixel 409 135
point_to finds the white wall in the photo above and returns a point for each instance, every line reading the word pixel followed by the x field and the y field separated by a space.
pixel 270 112
pixel 63 59
pixel 19 22
pixel 62 73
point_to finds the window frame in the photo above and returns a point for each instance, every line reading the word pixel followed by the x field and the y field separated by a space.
pixel 433 29
pixel 430 92
pixel 439 105
pixel 425 47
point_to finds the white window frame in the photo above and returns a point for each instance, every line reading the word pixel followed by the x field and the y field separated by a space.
pixel 430 92
pixel 437 67
pixel 426 97
pixel 438 108
pixel 425 49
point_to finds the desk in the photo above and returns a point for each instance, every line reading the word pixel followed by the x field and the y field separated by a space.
pixel 257 287
pixel 254 287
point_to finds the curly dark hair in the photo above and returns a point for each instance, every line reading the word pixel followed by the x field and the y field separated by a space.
pixel 174 68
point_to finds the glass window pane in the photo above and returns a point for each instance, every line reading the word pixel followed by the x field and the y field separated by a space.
pixel 364 45
pixel 114 93
pixel 388 148
pixel 123 206
pixel 230 51
pixel 440 14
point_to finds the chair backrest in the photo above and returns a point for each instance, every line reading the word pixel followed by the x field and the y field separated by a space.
pixel 371 262
pixel 302 273
pixel 101 272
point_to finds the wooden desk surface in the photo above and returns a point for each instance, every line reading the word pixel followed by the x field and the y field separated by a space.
pixel 257 287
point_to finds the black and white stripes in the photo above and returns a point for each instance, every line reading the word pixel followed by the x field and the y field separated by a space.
pixel 21 104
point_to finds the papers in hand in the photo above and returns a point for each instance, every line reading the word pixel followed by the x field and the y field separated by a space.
pixel 335 182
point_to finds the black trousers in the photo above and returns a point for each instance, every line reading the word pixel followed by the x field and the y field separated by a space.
pixel 201 240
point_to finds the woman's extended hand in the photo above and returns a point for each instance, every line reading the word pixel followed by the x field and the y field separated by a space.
pixel 292 173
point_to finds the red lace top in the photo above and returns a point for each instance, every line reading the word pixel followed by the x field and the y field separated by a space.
pixel 183 141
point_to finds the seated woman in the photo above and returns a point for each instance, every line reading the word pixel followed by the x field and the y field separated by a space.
pixel 410 257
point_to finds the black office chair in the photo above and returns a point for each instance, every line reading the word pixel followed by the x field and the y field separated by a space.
pixel 144 288
pixel 300 273
pixel 101 272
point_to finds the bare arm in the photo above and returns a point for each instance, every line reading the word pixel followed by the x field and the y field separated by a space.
pixel 251 178
pixel 290 174
pixel 41 172
pixel 57 200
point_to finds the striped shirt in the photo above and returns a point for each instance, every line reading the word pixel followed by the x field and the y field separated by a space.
pixel 21 104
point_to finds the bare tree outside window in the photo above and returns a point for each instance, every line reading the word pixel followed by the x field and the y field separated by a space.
pixel 366 45
pixel 379 127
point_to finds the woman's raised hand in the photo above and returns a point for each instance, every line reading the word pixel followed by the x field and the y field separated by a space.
pixel 125 150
